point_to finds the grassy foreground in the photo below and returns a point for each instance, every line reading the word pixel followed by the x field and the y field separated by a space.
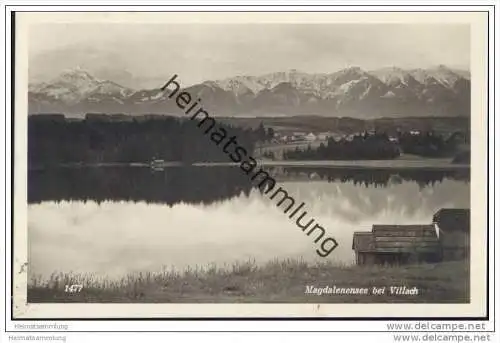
pixel 275 282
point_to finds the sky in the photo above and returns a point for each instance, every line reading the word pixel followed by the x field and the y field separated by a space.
pixel 199 52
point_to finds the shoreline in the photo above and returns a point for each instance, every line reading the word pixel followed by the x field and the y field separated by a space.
pixel 434 164
pixel 278 281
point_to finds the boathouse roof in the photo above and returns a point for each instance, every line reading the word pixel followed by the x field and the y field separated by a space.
pixel 452 219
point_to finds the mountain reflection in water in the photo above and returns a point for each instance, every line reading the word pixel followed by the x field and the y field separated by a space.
pixel 111 221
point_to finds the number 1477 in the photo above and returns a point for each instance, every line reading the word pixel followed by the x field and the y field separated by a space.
pixel 73 288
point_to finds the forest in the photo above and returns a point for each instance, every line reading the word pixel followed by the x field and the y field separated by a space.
pixel 54 140
pixel 378 146
pixel 430 144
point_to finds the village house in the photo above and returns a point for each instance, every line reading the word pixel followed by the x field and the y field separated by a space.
pixel 298 136
pixel 310 137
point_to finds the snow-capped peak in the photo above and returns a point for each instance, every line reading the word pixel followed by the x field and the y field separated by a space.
pixel 75 74
pixel 352 89
pixel 73 85
pixel 394 76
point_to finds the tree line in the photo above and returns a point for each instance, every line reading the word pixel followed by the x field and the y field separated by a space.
pixel 361 147
pixel 379 146
pixel 53 140
pixel 430 144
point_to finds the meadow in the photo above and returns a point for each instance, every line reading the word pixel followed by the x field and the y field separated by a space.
pixel 278 281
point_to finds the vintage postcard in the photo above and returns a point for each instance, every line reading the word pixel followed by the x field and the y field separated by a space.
pixel 250 164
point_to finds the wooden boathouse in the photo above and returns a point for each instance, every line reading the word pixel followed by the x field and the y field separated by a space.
pixel 397 244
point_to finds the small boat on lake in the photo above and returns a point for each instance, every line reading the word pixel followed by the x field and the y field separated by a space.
pixel 157 164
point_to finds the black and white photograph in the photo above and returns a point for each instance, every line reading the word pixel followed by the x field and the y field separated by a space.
pixel 225 161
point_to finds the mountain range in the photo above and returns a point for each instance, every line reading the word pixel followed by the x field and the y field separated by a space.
pixel 351 92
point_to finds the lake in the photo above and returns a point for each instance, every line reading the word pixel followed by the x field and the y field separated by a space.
pixel 118 220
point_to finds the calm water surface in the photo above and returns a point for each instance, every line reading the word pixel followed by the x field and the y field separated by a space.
pixel 119 220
